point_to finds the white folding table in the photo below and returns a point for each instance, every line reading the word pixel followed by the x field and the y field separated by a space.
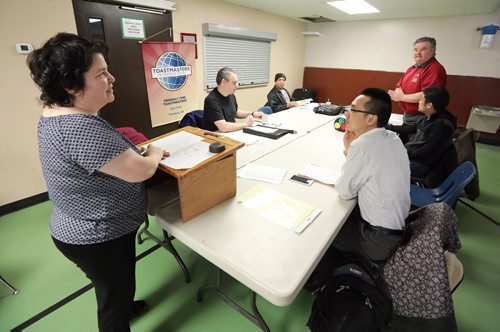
pixel 269 259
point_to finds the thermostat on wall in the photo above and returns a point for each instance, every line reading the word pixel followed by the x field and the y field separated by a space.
pixel 24 48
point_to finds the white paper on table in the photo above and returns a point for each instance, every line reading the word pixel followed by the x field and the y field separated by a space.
pixel 321 174
pixel 189 156
pixel 396 119
pixel 281 209
pixel 262 173
pixel 248 139
pixel 303 102
pixel 177 141
pixel 276 125
pixel 262 129
pixel 186 150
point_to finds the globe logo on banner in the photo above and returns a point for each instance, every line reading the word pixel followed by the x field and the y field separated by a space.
pixel 171 71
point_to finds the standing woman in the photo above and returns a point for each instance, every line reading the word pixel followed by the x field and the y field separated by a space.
pixel 94 175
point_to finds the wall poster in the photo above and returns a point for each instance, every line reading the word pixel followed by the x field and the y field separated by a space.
pixel 170 79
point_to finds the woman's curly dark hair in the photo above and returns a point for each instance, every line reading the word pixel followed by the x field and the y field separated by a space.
pixel 59 66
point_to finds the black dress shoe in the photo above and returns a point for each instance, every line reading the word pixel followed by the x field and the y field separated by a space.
pixel 138 307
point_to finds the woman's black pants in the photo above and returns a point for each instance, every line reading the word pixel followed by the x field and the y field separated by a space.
pixel 111 268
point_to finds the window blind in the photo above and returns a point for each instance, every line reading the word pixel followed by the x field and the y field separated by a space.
pixel 248 58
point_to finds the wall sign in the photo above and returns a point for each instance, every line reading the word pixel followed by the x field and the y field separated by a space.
pixel 190 38
pixel 132 28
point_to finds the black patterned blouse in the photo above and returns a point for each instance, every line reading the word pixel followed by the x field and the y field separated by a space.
pixel 88 206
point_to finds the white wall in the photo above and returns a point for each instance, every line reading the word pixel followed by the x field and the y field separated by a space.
pixel 35 21
pixel 387 45
pixel 287 53
pixel 373 45
pixel 30 21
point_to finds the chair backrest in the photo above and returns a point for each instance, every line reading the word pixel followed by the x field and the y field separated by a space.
pixel 451 188
pixel 193 119
pixel 465 144
pixel 266 110
pixel 455 270
pixel 431 229
pixel 300 94
pixel 439 172
pixel 133 135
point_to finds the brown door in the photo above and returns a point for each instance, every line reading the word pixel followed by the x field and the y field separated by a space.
pixel 103 21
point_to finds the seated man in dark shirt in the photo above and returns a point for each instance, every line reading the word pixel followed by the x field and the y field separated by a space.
pixel 432 136
pixel 221 108
pixel 279 98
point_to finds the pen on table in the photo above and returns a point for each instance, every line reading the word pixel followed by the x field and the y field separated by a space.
pixel 209 133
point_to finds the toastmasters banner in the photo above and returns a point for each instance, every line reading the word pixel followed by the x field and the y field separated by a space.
pixel 170 77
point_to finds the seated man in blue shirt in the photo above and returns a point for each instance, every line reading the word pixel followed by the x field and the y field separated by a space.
pixel 377 172
pixel 221 108
pixel 279 98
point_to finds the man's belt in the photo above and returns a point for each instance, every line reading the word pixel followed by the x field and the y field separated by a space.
pixel 382 230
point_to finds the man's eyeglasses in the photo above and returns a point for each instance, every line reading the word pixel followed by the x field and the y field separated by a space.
pixel 350 109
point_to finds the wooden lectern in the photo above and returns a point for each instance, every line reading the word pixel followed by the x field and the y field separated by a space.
pixel 208 183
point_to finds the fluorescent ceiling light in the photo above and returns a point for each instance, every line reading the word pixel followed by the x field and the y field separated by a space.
pixel 353 7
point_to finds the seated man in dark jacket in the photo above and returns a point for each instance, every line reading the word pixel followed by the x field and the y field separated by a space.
pixel 279 98
pixel 432 136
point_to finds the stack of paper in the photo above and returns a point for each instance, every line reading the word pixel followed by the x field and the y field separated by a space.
pixel 279 208
pixel 248 139
pixel 262 173
pixel 320 174
pixel 303 101
pixel 186 150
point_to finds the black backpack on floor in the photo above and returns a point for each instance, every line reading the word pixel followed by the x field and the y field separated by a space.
pixel 353 299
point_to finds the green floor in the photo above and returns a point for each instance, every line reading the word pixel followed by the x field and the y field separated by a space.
pixel 30 261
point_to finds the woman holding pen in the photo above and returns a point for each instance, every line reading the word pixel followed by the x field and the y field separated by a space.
pixel 94 174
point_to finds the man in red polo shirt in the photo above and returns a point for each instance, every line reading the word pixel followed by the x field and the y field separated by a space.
pixel 426 72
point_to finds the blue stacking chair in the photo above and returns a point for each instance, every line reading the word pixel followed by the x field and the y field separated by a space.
pixel 266 110
pixel 448 191
pixel 193 119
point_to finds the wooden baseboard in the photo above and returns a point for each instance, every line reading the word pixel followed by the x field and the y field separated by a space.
pixel 23 203
pixel 340 86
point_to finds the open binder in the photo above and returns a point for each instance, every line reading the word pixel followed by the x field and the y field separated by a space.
pixel 269 132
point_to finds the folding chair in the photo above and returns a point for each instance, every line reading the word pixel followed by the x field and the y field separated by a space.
pixel 193 119
pixel 160 195
pixel 266 110
pixel 420 302
pixel 161 192
pixel 448 191
pixel 455 270
pixel 9 286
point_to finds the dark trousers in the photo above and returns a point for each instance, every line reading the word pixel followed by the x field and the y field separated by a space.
pixel 354 237
pixel 419 170
pixel 111 268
